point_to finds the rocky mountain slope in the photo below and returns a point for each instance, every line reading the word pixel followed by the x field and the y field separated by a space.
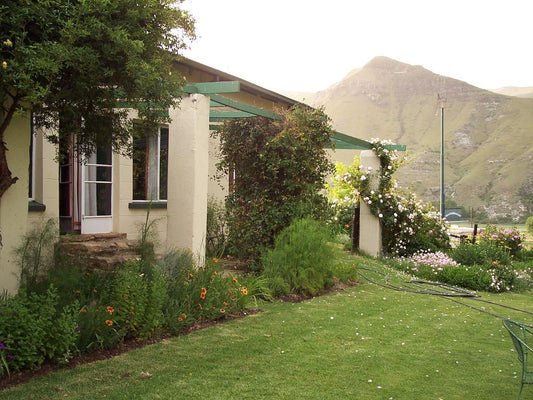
pixel 488 136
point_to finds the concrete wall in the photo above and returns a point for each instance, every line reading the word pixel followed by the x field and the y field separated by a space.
pixel 14 202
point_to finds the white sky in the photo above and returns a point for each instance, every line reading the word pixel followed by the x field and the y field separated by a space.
pixel 308 45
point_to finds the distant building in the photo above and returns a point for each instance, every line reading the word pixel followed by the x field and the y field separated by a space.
pixel 453 214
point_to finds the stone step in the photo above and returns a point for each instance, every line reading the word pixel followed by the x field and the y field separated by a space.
pixel 101 251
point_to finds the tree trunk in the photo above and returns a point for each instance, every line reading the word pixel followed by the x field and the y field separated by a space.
pixel 6 179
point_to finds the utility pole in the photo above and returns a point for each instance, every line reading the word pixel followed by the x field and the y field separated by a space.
pixel 442 102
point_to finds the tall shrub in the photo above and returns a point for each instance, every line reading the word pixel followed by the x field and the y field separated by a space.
pixel 279 169
pixel 302 259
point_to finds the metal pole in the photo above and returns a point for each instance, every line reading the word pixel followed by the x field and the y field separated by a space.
pixel 442 212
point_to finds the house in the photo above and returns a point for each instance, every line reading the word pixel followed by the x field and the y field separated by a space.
pixel 168 172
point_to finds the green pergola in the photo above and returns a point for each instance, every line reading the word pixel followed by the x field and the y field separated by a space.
pixel 223 108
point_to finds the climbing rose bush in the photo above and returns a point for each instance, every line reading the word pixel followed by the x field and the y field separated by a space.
pixel 408 224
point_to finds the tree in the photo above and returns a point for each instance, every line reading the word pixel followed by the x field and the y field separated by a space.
pixel 280 169
pixel 77 64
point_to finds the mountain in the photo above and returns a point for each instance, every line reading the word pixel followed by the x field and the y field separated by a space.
pixel 488 136
pixel 526 92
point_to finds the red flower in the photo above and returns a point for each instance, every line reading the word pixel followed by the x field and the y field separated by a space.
pixel 108 322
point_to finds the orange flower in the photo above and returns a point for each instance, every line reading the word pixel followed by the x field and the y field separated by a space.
pixel 77 292
pixel 184 315
pixel 201 308
pixel 215 273
pixel 94 290
pixel 180 319
pixel 226 303
pixel 235 280
pixel 204 290
pixel 234 267
pixel 202 295
pixel 108 322
pixel 215 260
pixel 244 291
pixel 110 310
pixel 84 310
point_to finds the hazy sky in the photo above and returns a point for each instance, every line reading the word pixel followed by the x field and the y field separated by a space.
pixel 307 45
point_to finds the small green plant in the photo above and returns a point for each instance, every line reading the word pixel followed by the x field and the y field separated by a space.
pixel 216 228
pixel 147 238
pixel 33 330
pixel 302 259
pixel 35 255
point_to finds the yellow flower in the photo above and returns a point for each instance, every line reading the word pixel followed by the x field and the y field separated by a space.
pixel 222 311
pixel 110 310
pixel 244 291
pixel 108 322
pixel 4 64
pixel 8 43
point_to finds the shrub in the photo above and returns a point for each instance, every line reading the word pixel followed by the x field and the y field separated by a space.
pixel 198 293
pixel 508 239
pixel 281 167
pixel 216 228
pixel 125 302
pixel 482 268
pixel 33 330
pixel 529 225
pixel 480 253
pixel 302 259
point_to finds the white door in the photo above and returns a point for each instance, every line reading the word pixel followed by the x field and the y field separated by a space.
pixel 97 192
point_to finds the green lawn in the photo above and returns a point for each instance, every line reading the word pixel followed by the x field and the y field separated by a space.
pixel 362 342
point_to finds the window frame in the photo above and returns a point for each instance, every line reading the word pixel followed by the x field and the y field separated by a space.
pixel 152 170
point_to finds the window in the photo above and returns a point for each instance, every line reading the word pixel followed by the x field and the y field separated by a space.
pixel 150 166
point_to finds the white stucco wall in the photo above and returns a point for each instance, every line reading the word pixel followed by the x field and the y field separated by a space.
pixel 188 168
pixel 14 202
pixel 370 240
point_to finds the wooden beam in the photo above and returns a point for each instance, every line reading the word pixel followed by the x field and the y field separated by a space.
pixel 343 141
pixel 244 107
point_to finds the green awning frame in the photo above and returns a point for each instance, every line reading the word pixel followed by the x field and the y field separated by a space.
pixel 241 110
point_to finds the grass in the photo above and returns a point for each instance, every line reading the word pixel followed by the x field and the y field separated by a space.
pixel 363 342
